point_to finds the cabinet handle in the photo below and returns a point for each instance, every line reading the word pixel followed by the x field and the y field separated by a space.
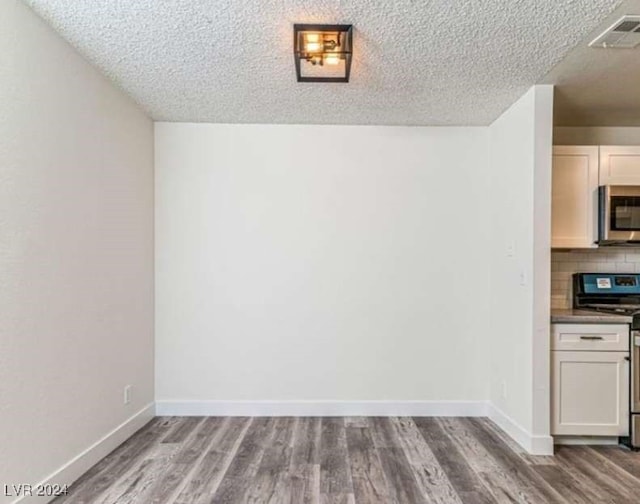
pixel 591 338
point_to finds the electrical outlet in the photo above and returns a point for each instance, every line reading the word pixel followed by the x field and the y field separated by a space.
pixel 127 394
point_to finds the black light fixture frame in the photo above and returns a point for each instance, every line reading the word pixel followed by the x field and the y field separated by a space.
pixel 346 31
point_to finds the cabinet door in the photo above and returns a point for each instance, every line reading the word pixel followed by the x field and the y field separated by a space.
pixel 590 393
pixel 574 197
pixel 619 165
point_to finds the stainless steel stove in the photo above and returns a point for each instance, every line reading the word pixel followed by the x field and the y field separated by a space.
pixel 617 309
pixel 619 294
pixel 607 292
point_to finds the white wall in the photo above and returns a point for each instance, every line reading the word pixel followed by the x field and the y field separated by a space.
pixel 541 345
pixel 294 263
pixel 76 252
pixel 596 135
pixel 320 263
pixel 520 169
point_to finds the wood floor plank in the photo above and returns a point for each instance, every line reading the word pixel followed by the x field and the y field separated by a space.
pixel 431 478
pixel 182 429
pixel 508 480
pixel 306 446
pixel 118 463
pixel 624 459
pixel 148 434
pixel 625 474
pixel 135 485
pixel 305 461
pixel 402 485
pixel 337 499
pixel 335 473
pixel 588 485
pixel 401 481
pixel 463 479
pixel 305 484
pixel 271 482
pixel 333 433
pixel 566 485
pixel 490 426
pixel 207 475
pixel 384 432
pixel 283 479
pixel 245 463
pixel 519 470
pixel 614 483
pixel 186 459
pixel 356 421
pixel 367 475
pixel 498 483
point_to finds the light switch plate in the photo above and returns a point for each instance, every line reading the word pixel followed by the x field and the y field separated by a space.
pixel 511 249
pixel 523 278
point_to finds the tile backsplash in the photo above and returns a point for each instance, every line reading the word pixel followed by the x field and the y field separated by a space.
pixel 602 260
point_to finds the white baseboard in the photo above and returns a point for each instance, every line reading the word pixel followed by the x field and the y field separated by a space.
pixel 77 466
pixel 533 444
pixel 586 440
pixel 321 408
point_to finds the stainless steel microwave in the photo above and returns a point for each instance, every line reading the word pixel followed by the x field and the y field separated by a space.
pixel 619 215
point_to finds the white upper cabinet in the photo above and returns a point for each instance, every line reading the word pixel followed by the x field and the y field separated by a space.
pixel 619 165
pixel 574 197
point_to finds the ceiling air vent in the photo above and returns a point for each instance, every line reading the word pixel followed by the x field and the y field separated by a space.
pixel 624 33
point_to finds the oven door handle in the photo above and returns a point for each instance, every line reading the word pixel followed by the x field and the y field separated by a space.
pixel 591 338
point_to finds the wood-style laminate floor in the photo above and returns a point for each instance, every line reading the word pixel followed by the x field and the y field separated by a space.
pixel 349 460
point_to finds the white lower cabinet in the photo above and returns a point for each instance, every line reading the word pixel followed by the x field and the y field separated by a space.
pixel 590 393
pixel 590 379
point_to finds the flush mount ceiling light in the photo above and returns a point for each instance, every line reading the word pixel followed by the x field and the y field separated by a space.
pixel 322 52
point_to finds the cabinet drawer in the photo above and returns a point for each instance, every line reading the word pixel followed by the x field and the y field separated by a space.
pixel 590 337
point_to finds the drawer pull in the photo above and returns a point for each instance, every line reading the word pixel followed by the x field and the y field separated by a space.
pixel 591 338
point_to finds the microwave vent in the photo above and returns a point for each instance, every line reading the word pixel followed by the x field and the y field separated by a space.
pixel 623 34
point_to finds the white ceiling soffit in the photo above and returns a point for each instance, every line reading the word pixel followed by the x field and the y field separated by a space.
pixel 597 86
pixel 454 62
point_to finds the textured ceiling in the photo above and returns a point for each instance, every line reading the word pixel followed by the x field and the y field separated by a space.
pixel 431 62
pixel 599 87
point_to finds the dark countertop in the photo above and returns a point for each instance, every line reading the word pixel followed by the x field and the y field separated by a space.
pixel 587 317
